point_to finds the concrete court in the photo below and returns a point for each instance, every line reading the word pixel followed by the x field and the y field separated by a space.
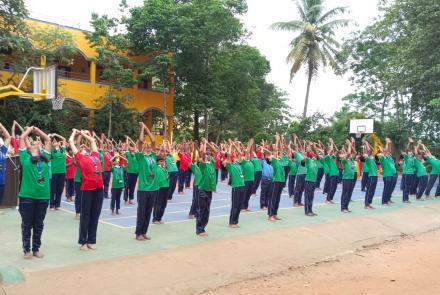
pixel 177 209
pixel 61 232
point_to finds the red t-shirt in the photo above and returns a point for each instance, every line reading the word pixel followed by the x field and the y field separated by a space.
pixel 218 162
pixel 185 161
pixel 15 142
pixel 70 168
pixel 107 161
pixel 90 167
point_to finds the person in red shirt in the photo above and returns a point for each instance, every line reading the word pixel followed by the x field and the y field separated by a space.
pixel 184 171
pixel 15 140
pixel 92 189
pixel 108 155
pixel 70 175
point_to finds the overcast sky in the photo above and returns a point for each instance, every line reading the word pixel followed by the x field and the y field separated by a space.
pixel 326 91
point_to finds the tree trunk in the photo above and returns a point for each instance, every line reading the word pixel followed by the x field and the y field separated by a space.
pixel 109 133
pixel 206 124
pixel 196 133
pixel 165 121
pixel 306 102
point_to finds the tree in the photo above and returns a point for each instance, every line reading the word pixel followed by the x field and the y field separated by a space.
pixel 315 46
pixel 111 46
pixel 394 64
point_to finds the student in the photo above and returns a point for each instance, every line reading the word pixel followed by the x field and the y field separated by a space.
pixel 348 172
pixel 172 169
pixel 372 175
pixel 292 175
pixel 388 172
pixel 326 173
pixel 70 175
pixel 117 184
pixel 435 172
pixel 15 138
pixel 300 173
pixel 34 192
pixel 184 171
pixel 421 173
pixel 321 172
pixel 207 185
pixel 58 168
pixel 333 171
pixel 249 175
pixel 233 165
pixel 194 167
pixel 311 165
pixel 148 185
pixel 78 191
pixel 92 189
pixel 408 170
pixel 163 182
pixel 4 150
pixel 364 181
pixel 278 180
pixel 108 155
pixel 258 172
pixel 132 172
pixel 266 181
pixel 285 163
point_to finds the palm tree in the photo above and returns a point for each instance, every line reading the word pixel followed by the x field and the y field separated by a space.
pixel 315 45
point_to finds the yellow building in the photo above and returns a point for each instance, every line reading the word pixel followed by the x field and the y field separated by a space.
pixel 80 81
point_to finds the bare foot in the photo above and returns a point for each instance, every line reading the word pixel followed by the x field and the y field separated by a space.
pixel 156 222
pixel 147 238
pixel 190 216
pixel 277 218
pixel 38 254
pixel 84 247
pixel 91 246
pixel 272 218
pixel 77 216
pixel 27 255
pixel 140 238
pixel 203 234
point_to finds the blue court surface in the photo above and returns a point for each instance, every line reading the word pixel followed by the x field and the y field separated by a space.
pixel 178 208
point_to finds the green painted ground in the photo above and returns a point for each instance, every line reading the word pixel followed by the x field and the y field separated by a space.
pixel 61 233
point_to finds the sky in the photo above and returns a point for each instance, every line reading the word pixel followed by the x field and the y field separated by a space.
pixel 327 90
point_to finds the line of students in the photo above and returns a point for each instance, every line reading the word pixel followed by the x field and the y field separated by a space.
pixel 156 172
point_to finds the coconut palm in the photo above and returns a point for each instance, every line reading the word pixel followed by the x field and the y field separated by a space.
pixel 315 45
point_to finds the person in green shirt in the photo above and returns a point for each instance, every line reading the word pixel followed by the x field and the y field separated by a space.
pixel 249 175
pixel 435 172
pixel 117 185
pixel 311 164
pixel 148 185
pixel 388 171
pixel 258 171
pixel 58 169
pixel 285 163
pixel 161 201
pixel 278 180
pixel 132 171
pixel 301 172
pixel 333 171
pixel 235 171
pixel 292 175
pixel 194 168
pixel 364 181
pixel 207 185
pixel 348 172
pixel 408 171
pixel 172 169
pixel 421 172
pixel 372 174
pixel 34 192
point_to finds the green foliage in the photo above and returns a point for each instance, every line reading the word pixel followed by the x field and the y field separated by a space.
pixel 315 46
pixel 394 63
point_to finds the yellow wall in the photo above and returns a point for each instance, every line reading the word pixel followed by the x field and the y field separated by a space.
pixel 88 92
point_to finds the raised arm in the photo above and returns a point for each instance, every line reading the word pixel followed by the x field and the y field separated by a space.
pixel 6 135
pixel 91 139
pixel 72 141
pixel 45 138
pixel 141 139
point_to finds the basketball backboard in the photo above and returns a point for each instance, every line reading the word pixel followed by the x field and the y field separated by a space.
pixel 361 126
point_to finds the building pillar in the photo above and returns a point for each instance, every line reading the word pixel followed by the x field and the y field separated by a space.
pixel 170 128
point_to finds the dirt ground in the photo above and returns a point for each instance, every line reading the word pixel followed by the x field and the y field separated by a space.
pixel 407 266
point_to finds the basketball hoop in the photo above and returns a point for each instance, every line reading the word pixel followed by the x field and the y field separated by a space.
pixel 57 103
